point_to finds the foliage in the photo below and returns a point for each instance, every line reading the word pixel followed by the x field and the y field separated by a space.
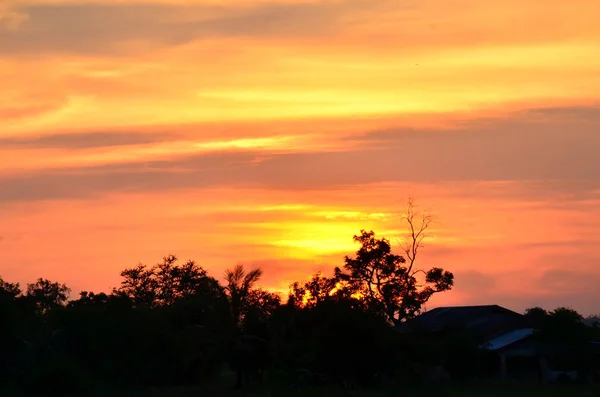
pixel 387 286
pixel 316 290
pixel 564 337
pixel 173 324
pixel 239 286
pixel 46 295
pixel 164 283
pixel 385 283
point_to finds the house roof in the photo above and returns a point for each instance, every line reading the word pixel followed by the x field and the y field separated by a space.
pixel 488 321
pixel 508 338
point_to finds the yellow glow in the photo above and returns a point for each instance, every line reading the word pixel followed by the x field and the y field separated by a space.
pixel 287 116
pixel 352 215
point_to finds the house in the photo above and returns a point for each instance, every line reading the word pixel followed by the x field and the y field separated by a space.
pixel 484 322
pixel 504 337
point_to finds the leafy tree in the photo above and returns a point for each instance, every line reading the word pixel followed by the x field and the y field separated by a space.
pixel 139 285
pixel 162 284
pixel 563 324
pixel 9 290
pixel 90 299
pixel 384 281
pixel 564 336
pixel 11 325
pixel 314 291
pixel 333 339
pixel 178 282
pixel 47 295
pixel 536 316
pixel 387 282
pixel 259 310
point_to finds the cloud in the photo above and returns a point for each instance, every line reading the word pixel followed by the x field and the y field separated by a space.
pixel 120 26
pixel 572 267
pixel 84 140
pixel 580 113
pixel 11 18
pixel 555 159
pixel 33 110
pixel 568 285
pixel 473 282
pixel 567 278
pixel 109 28
pixel 195 172
pixel 571 282
pixel 520 146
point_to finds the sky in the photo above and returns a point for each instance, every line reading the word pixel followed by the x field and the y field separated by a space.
pixel 269 132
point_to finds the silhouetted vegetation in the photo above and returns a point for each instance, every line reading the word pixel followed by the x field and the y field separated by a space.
pixel 173 325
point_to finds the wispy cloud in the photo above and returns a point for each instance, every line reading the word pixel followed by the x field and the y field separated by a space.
pixel 83 140
pixel 11 17
pixel 271 131
pixel 558 151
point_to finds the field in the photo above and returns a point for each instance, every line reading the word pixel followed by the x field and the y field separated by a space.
pixel 223 387
pixel 473 390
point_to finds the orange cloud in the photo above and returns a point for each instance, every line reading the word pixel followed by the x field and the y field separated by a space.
pixel 271 131
pixel 10 17
pixel 365 68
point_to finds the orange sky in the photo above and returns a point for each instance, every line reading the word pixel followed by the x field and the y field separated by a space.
pixel 271 131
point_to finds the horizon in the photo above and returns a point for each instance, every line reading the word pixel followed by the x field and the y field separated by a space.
pixel 269 132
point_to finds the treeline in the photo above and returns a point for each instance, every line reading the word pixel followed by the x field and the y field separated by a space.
pixel 174 324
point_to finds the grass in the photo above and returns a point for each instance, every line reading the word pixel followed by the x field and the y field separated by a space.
pixel 483 389
pixel 223 387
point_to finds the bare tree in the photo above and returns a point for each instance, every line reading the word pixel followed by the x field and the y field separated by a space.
pixel 417 223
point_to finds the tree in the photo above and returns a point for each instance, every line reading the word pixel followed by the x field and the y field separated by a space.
pixel 593 320
pixel 239 285
pixel 164 283
pixel 11 326
pixel 536 316
pixel 89 299
pixel 139 285
pixel 47 295
pixel 565 338
pixel 260 307
pixel 416 232
pixel 388 282
pixel 11 290
pixel 314 291
pixel 563 325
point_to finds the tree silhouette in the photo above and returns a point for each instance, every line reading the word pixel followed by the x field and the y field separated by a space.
pixel 47 295
pixel 388 282
pixel 314 291
pixel 239 286
pixel 417 229
pixel 11 290
pixel 173 324
pixel 139 285
pixel 162 284
pixel 536 316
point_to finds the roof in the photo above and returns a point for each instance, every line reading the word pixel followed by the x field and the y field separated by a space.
pixel 487 321
pixel 509 338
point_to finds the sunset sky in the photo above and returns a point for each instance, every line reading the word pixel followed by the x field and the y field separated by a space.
pixel 269 132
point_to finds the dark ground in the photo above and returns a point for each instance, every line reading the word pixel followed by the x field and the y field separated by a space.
pixel 491 391
pixel 223 388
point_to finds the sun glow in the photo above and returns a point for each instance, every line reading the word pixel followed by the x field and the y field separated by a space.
pixel 272 131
